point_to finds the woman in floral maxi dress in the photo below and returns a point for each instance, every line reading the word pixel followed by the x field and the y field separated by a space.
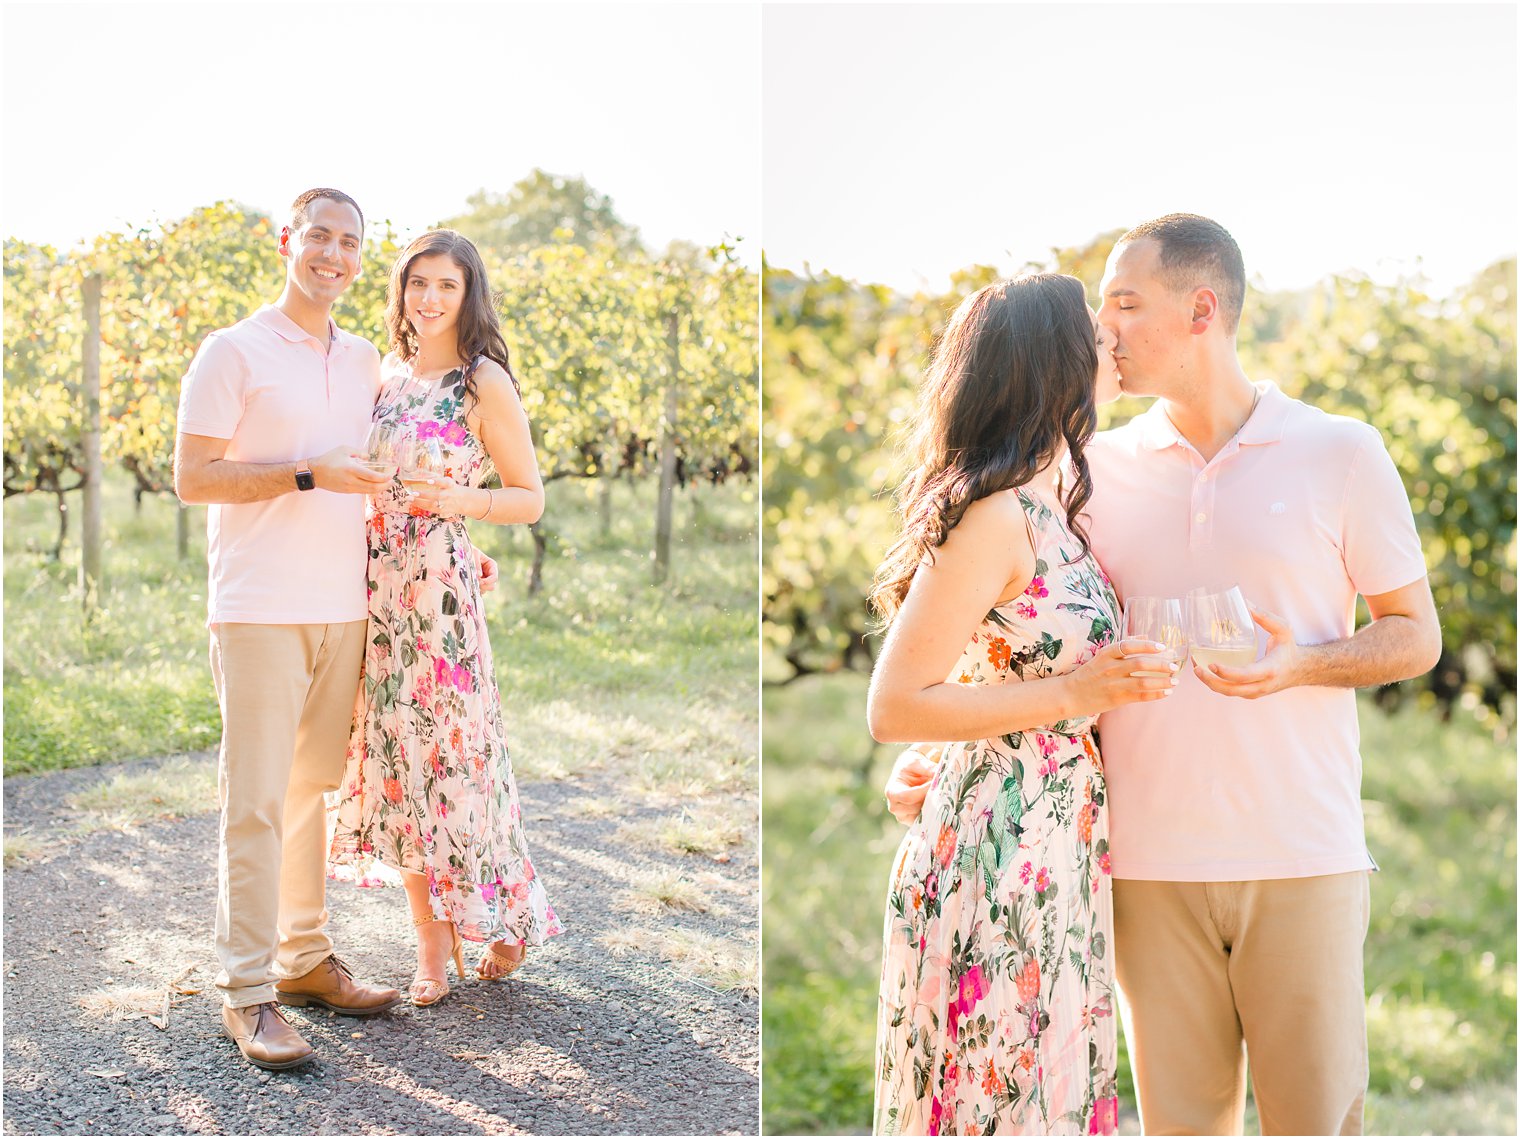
pixel 996 1004
pixel 428 789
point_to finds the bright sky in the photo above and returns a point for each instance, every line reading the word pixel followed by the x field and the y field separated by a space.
pixel 903 142
pixel 133 113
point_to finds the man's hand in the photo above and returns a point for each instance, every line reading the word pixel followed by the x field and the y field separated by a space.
pixel 486 571
pixel 1277 670
pixel 341 472
pixel 908 785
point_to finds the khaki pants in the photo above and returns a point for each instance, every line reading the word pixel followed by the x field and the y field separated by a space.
pixel 287 694
pixel 1211 971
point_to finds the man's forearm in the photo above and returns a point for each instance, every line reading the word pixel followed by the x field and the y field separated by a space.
pixel 224 482
pixel 1394 647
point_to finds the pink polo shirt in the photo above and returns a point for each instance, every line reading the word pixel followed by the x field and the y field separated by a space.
pixel 1303 511
pixel 278 394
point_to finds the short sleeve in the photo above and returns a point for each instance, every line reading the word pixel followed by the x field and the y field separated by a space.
pixel 1380 543
pixel 374 366
pixel 211 394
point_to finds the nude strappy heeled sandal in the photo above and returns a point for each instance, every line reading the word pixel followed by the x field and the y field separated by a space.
pixel 504 966
pixel 425 991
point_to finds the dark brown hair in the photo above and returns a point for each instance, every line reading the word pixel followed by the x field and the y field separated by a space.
pixel 298 208
pixel 1197 252
pixel 1012 383
pixel 479 329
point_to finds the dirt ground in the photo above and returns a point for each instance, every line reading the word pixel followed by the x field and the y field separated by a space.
pixel 600 1033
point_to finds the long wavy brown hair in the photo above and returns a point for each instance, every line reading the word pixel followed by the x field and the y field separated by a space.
pixel 479 328
pixel 1010 387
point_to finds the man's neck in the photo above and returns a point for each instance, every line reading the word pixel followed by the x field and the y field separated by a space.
pixel 1214 407
pixel 313 319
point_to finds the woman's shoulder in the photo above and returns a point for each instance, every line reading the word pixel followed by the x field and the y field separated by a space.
pixel 998 518
pixel 494 388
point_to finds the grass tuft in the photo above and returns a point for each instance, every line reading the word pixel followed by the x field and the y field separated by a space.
pixel 118 1003
pixel 718 962
pixel 22 847
pixel 173 790
pixel 705 829
pixel 667 892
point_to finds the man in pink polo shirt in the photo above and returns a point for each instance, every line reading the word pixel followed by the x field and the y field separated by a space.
pixel 1240 865
pixel 270 412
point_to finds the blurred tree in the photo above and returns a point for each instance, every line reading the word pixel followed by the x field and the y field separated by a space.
pixel 842 363
pixel 543 209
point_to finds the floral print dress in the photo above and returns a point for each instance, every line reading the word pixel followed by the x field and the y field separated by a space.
pixel 428 783
pixel 996 1006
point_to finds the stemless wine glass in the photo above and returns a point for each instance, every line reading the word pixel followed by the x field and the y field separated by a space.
pixel 1220 627
pixel 421 460
pixel 1156 619
pixel 382 448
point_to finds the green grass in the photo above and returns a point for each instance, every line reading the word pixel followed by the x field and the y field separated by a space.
pixel 600 671
pixel 1440 951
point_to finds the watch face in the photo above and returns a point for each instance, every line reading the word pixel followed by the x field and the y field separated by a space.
pixel 305 480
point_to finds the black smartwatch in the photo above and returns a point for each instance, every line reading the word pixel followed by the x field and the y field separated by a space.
pixel 305 480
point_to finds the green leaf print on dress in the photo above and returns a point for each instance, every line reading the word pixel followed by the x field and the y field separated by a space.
pixel 428 784
pixel 996 991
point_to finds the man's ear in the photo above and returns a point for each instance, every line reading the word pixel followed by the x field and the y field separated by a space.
pixel 284 244
pixel 1205 310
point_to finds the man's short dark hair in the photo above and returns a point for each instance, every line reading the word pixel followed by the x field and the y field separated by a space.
pixel 299 207
pixel 1198 252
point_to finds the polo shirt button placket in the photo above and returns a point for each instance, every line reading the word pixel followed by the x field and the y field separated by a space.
pixel 1202 528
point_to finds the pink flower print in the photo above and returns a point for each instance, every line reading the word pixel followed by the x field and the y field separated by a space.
pixel 1105 863
pixel 454 433
pixel 1049 768
pixel 936 1114
pixel 1048 745
pixel 1037 588
pixel 488 891
pixel 443 810
pixel 1025 872
pixel 974 987
pixel 428 430
pixel 1026 610
pixel 1105 1117
pixel 442 672
pixel 461 679
pixel 1042 880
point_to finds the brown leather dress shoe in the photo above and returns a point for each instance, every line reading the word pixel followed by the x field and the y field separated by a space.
pixel 332 986
pixel 264 1038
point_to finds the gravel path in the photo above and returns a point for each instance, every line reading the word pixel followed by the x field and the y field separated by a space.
pixel 580 1042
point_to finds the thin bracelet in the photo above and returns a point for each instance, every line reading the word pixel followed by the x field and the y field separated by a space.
pixel 490 503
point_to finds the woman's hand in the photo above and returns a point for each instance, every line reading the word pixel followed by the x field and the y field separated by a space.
pixel 908 785
pixel 443 496
pixel 1109 679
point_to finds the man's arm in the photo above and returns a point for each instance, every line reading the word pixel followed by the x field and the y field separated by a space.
pixel 1402 640
pixel 204 475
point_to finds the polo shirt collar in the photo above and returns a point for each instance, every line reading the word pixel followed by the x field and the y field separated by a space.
pixel 275 320
pixel 1265 425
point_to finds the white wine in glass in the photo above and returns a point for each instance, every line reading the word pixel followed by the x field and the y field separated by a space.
pixel 380 449
pixel 1220 628
pixel 1156 619
pixel 423 461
